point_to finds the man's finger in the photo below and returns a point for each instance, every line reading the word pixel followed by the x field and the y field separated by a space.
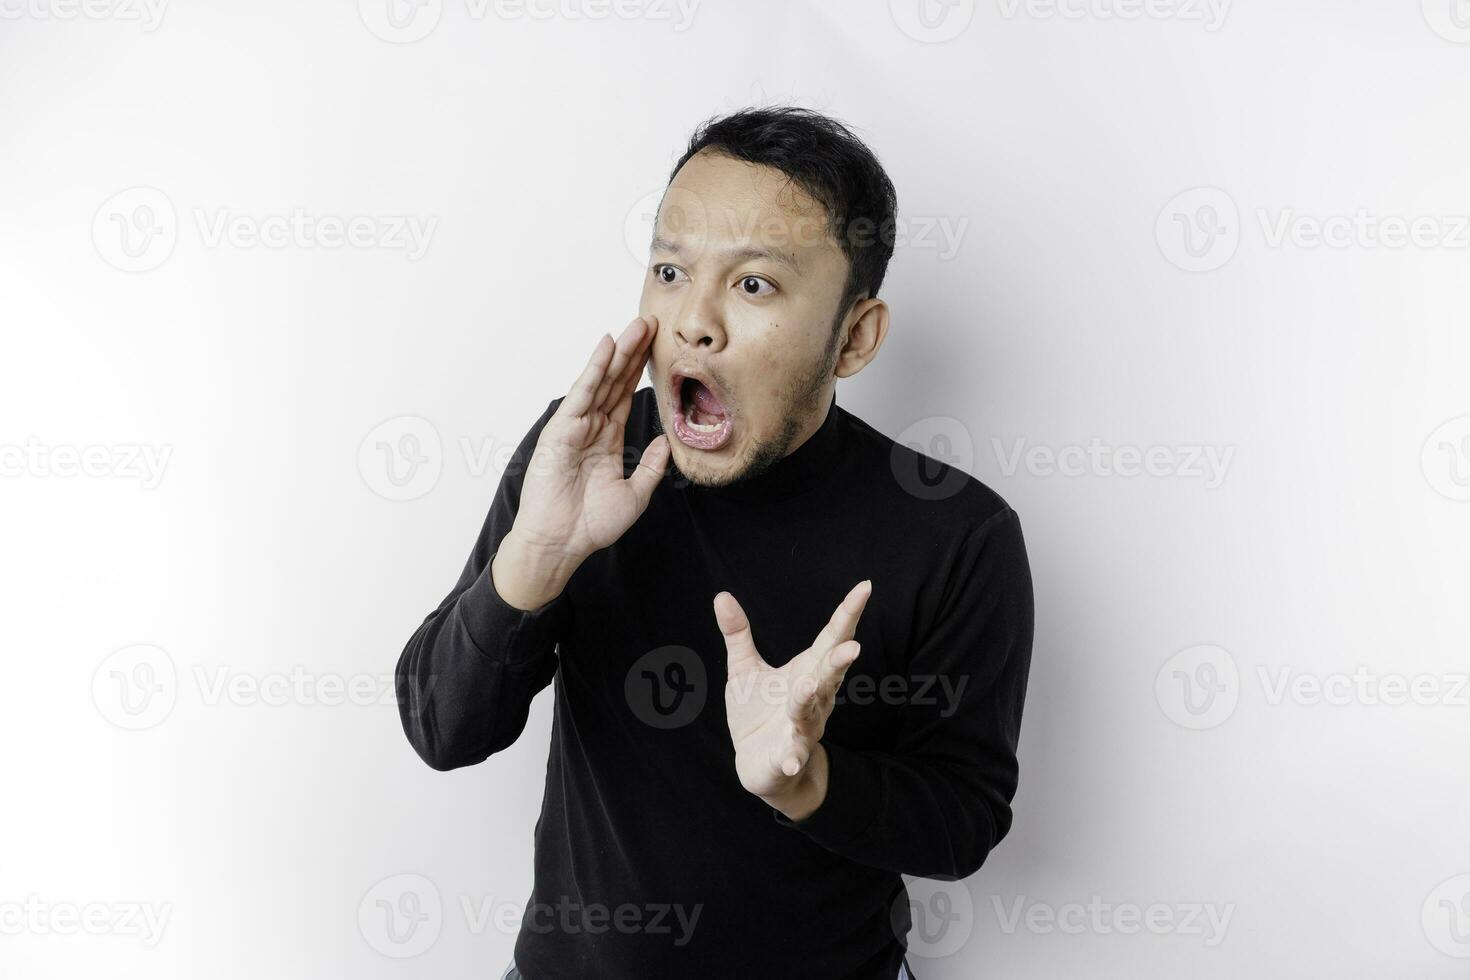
pixel 623 405
pixel 834 667
pixel 624 350
pixel 802 703
pixel 650 470
pixel 796 757
pixel 739 641
pixel 816 692
pixel 843 623
pixel 579 399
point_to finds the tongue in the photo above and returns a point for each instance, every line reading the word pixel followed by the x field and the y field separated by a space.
pixel 707 403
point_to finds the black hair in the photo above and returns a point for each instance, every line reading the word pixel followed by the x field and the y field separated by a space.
pixel 828 162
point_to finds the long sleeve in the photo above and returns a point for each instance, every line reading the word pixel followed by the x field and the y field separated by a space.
pixel 467 676
pixel 940 800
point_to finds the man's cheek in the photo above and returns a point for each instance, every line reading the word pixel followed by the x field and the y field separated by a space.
pixel 660 307
pixel 776 358
pixel 649 303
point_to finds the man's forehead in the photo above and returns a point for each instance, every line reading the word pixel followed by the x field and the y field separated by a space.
pixel 726 205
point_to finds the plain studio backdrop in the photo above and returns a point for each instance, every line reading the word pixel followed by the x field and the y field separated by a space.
pixel 282 283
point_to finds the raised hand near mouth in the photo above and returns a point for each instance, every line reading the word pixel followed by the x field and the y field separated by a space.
pixel 574 499
pixel 777 715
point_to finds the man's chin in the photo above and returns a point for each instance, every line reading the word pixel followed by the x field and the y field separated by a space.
pixel 696 467
pixel 728 466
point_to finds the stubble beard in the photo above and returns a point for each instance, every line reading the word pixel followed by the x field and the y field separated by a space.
pixel 801 401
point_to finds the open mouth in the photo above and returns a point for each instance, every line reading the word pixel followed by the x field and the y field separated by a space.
pixel 701 420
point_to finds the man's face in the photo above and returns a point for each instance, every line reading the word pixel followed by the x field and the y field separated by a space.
pixel 745 279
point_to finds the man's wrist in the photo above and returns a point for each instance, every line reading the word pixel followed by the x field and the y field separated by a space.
pixel 528 577
pixel 807 791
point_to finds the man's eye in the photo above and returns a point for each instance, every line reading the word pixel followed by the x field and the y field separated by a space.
pixel 667 273
pixel 756 286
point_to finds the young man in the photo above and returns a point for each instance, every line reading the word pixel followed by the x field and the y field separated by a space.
pixel 865 611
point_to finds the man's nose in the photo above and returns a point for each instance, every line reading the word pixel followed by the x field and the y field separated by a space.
pixel 700 323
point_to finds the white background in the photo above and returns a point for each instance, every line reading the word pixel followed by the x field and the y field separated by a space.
pixel 1070 316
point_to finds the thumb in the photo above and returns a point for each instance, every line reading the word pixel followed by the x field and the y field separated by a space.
pixel 740 650
pixel 650 470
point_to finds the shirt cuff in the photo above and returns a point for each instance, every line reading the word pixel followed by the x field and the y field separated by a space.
pixel 854 800
pixel 499 630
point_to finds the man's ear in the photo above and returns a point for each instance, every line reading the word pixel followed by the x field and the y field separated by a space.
pixel 867 325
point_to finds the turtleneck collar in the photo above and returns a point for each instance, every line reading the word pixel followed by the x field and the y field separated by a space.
pixel 798 470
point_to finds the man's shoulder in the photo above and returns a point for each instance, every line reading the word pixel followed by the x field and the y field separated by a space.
pixel 923 474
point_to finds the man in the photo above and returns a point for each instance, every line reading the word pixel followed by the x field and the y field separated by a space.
pixel 867 611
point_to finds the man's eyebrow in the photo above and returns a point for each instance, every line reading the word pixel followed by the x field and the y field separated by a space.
pixel 660 244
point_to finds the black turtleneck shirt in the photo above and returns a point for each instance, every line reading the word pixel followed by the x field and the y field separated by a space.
pixel 651 859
